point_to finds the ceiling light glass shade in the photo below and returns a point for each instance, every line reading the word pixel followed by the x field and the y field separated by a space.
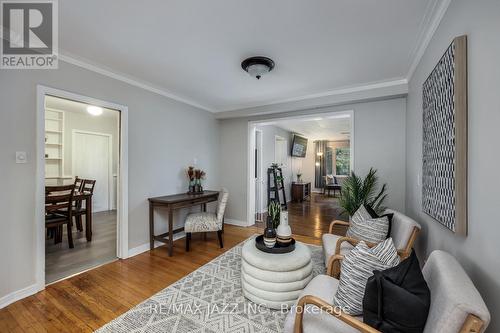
pixel 94 110
pixel 258 70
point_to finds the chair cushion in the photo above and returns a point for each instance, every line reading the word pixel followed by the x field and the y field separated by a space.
pixel 324 287
pixel 401 228
pixel 453 295
pixel 364 227
pixel 329 245
pixel 356 267
pixel 397 299
pixel 329 180
pixel 201 222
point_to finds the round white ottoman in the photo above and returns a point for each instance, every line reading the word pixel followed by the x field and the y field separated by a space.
pixel 274 280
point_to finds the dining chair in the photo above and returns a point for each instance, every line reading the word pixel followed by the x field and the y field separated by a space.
pixel 79 209
pixel 58 212
pixel 207 222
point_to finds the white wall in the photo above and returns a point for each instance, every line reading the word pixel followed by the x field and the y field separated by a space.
pixel 478 252
pixel 164 137
pixel 107 123
pixel 269 134
pixel 379 142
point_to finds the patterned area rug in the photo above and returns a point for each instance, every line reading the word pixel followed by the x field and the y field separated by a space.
pixel 209 299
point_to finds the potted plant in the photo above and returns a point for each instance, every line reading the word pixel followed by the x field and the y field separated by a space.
pixel 190 175
pixel 357 191
pixel 273 220
pixel 299 176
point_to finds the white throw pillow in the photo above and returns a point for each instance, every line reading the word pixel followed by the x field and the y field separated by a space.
pixel 364 227
pixel 357 266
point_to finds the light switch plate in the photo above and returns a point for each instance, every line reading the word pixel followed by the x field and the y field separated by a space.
pixel 21 157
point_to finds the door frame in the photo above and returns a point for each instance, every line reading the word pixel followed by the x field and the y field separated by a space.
pixel 110 159
pixel 122 175
pixel 252 127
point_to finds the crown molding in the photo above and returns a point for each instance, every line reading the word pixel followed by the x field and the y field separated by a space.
pixel 70 59
pixel 362 93
pixel 335 92
pixel 429 25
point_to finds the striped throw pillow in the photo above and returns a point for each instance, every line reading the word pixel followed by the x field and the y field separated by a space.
pixel 364 227
pixel 357 266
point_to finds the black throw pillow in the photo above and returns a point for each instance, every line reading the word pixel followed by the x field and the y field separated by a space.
pixel 374 215
pixel 397 299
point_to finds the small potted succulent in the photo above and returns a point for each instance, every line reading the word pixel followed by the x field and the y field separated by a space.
pixel 273 220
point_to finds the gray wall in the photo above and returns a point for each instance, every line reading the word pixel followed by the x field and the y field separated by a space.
pixel 164 137
pixel 379 142
pixel 478 252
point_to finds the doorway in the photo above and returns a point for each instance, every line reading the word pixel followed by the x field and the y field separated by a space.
pixel 81 141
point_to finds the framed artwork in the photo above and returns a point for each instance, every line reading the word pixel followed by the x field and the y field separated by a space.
pixel 444 139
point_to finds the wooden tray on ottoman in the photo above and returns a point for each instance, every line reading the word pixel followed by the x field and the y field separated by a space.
pixel 278 247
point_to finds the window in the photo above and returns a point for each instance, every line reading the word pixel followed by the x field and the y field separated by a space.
pixel 342 163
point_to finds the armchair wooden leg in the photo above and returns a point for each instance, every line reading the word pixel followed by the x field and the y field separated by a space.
pixel 188 238
pixel 219 235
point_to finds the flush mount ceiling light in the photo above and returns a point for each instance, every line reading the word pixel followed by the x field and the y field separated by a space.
pixel 94 110
pixel 257 66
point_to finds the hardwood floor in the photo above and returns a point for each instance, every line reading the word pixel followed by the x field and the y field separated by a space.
pixel 61 261
pixel 87 301
pixel 313 217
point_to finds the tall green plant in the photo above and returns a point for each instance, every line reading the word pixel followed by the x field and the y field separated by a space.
pixel 357 191
pixel 274 210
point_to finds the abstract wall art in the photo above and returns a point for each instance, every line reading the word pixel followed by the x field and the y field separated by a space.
pixel 444 139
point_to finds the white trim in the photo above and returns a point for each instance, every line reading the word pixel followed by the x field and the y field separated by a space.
pixel 18 294
pixel 110 159
pixel 130 80
pixel 239 222
pixel 252 127
pixel 436 14
pixel 341 91
pixel 122 217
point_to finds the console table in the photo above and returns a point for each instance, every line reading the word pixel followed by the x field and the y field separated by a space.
pixel 171 203
pixel 300 191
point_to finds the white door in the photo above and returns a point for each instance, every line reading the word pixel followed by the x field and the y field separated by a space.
pixel 92 160
pixel 258 176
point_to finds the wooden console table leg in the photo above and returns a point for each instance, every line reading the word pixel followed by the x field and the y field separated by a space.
pixel 170 232
pixel 151 226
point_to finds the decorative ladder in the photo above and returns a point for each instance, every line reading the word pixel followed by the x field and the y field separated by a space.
pixel 274 188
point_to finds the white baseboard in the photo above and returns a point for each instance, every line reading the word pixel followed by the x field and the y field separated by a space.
pixel 236 222
pixel 19 294
pixel 145 247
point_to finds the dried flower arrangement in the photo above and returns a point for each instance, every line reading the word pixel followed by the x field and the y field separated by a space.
pixel 195 176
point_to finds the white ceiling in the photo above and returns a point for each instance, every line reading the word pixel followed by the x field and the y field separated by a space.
pixel 192 50
pixel 325 127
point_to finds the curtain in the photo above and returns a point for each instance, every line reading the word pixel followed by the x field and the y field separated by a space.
pixel 320 165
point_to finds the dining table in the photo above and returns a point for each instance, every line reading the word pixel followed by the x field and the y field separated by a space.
pixel 87 197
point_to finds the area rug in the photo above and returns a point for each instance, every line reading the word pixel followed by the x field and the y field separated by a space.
pixel 209 299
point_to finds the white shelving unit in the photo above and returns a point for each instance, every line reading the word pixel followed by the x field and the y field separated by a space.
pixel 54 144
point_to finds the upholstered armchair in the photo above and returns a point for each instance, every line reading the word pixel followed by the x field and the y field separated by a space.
pixel 456 305
pixel 404 231
pixel 206 221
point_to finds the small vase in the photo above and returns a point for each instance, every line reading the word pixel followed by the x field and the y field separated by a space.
pixel 191 186
pixel 284 232
pixel 269 234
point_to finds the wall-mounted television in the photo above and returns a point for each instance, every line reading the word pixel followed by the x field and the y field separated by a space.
pixel 299 146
